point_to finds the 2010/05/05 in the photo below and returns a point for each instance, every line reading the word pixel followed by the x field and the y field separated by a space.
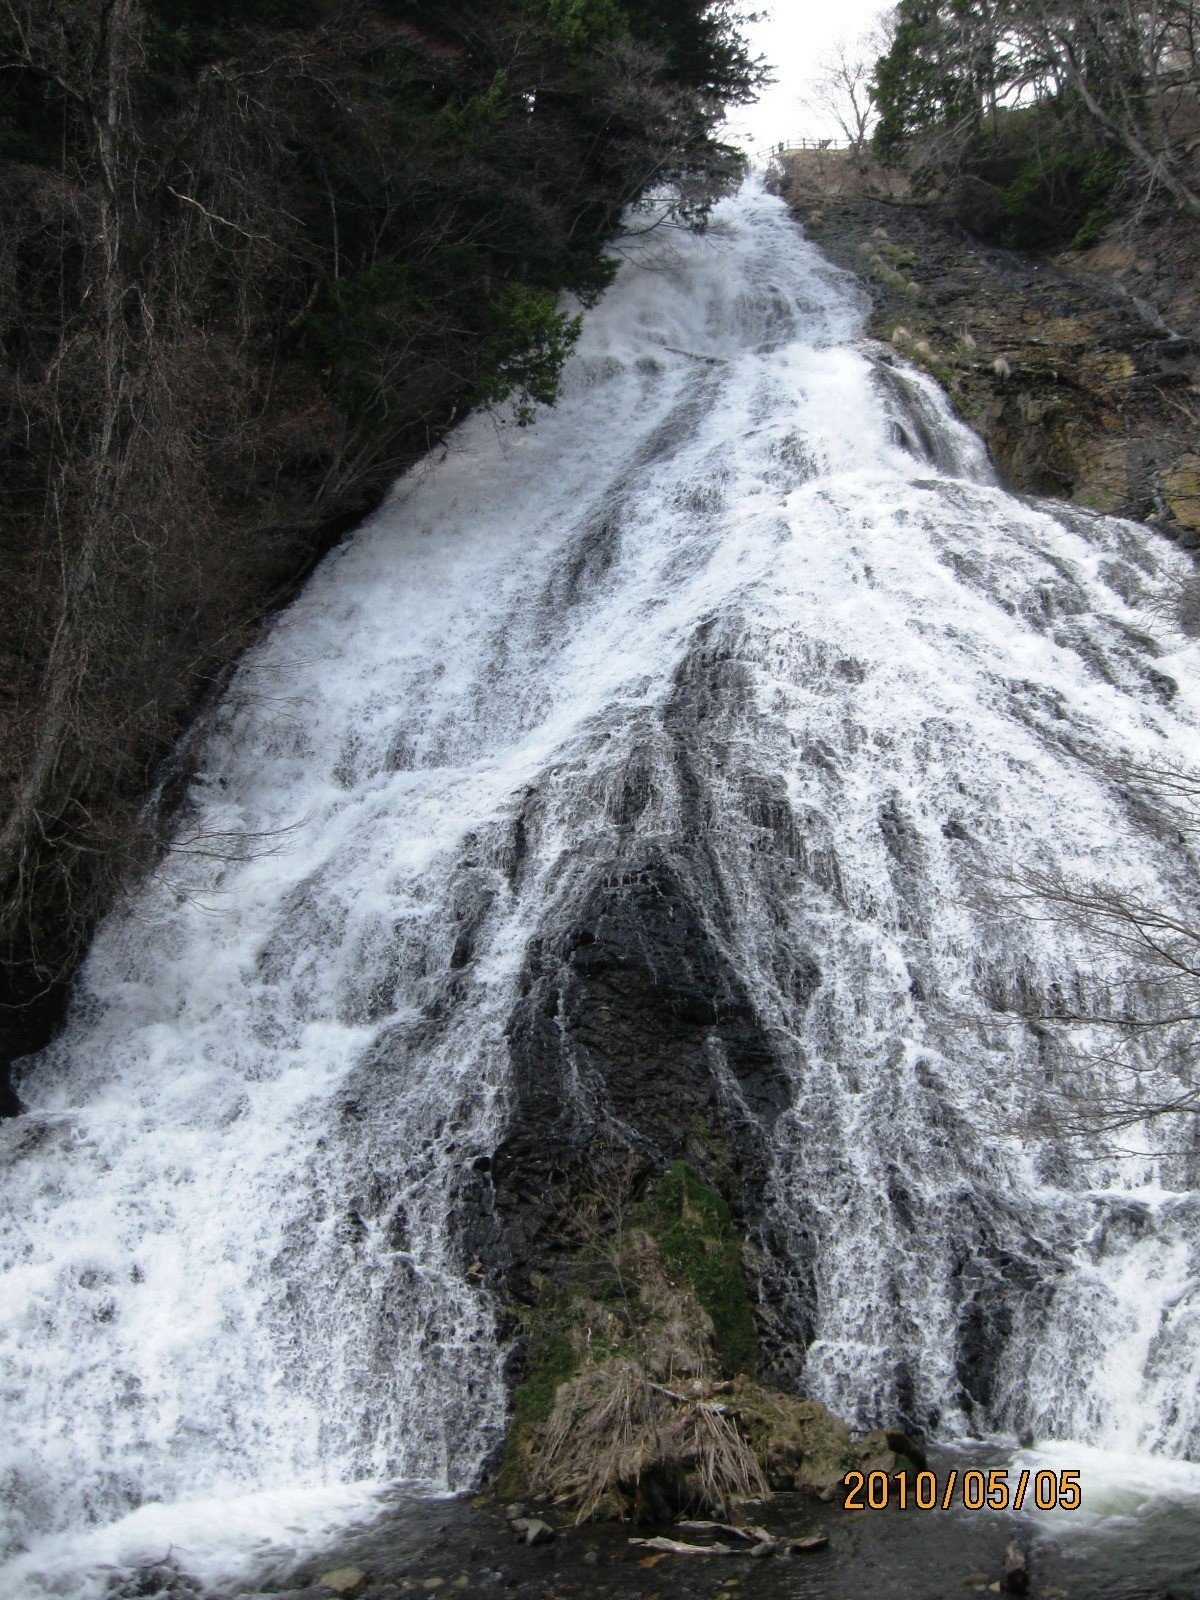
pixel 991 1489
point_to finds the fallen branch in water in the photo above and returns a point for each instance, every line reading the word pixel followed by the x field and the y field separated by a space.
pixel 753 1540
pixel 754 1535
pixel 676 1547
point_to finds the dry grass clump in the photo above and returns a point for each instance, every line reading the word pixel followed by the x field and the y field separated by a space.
pixel 641 1428
pixel 618 1443
pixel 637 1400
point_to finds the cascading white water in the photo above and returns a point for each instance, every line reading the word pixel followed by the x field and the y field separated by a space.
pixel 229 1261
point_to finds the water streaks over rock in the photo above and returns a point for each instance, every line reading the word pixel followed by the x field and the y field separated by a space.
pixel 633 770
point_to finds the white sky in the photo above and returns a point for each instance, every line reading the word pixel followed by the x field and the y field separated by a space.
pixel 793 35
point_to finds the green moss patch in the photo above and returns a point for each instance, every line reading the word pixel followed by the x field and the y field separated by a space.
pixel 552 1360
pixel 692 1226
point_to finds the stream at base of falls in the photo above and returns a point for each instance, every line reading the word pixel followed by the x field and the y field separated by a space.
pixel 1134 1538
pixel 639 767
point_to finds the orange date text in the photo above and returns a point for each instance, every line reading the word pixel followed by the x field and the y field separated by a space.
pixel 977 1489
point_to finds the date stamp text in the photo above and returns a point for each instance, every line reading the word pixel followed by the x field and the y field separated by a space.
pixel 978 1489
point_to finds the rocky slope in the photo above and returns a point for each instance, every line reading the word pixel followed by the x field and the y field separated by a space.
pixel 1080 373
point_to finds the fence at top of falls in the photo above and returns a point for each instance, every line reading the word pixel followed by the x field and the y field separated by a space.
pixel 781 147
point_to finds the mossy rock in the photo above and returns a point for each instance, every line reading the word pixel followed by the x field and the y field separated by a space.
pixel 1107 367
pixel 800 1443
pixel 802 1446
pixel 899 255
pixel 692 1227
pixel 1105 484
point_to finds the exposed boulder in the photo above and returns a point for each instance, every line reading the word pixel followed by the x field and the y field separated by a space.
pixel 532 1530
pixel 343 1580
pixel 1016 1570
pixel 801 1444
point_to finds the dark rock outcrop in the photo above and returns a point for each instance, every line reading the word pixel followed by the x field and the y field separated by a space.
pixel 633 1027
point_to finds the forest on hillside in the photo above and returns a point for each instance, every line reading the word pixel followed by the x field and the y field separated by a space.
pixel 1041 120
pixel 256 257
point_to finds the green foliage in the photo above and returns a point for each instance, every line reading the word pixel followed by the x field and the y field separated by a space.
pixel 471 117
pixel 529 340
pixel 1034 176
pixel 590 279
pixel 362 321
pixel 581 24
pixel 704 45
pixel 551 1360
pixel 694 1231
pixel 645 1293
pixel 1100 188
pixel 1031 121
pixel 926 79
pixel 1058 199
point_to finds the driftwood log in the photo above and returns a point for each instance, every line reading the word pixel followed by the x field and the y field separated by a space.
pixel 750 1539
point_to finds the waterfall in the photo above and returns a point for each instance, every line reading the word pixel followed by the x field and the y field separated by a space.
pixel 748 602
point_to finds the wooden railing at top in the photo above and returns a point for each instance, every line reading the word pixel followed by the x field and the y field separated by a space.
pixel 782 146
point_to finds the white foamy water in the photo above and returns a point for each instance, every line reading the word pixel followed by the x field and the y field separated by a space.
pixel 230 1260
pixel 222 1544
pixel 1114 1485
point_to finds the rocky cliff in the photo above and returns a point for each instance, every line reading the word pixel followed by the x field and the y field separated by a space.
pixel 1080 371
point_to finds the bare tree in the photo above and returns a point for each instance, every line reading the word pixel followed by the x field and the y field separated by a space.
pixel 1133 64
pixel 1125 73
pixel 1134 1035
pixel 840 91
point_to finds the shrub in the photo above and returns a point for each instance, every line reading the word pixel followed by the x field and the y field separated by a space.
pixel 1060 199
pixel 527 346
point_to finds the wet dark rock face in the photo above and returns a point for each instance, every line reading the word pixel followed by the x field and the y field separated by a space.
pixel 657 1021
pixel 635 1030
pixel 634 1027
pixel 9 1104
pixel 992 1282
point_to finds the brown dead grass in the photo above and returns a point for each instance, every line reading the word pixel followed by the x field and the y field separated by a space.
pixel 826 174
pixel 619 1443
